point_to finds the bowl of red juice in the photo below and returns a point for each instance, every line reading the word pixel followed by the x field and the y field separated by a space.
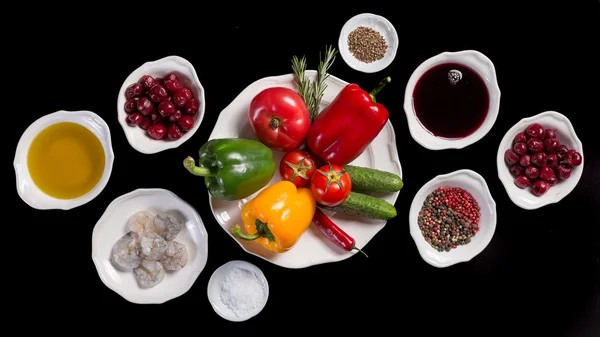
pixel 452 100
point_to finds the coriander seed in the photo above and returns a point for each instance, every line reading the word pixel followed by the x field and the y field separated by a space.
pixel 366 44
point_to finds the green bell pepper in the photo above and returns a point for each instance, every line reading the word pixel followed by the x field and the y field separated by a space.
pixel 233 168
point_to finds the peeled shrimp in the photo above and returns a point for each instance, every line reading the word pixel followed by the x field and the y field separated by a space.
pixel 167 225
pixel 142 222
pixel 175 257
pixel 149 273
pixel 153 246
pixel 126 252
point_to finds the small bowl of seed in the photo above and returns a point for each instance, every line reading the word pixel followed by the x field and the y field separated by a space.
pixel 452 218
pixel 368 43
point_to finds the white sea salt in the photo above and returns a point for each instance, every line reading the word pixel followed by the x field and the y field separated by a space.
pixel 242 291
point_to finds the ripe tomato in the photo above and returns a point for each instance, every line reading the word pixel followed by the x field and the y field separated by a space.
pixel 330 185
pixel 279 118
pixel 298 167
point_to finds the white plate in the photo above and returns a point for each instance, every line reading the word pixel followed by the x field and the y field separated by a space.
pixel 565 133
pixel 136 136
pixel 475 185
pixel 113 225
pixel 213 290
pixel 313 248
pixel 377 23
pixel 27 189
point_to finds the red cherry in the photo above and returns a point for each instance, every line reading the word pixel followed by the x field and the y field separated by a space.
pixel 516 170
pixel 130 105
pixel 134 119
pixel 546 172
pixel 174 132
pixel 171 76
pixel 145 123
pixel 157 131
pixel 540 187
pixel 511 157
pixel 166 108
pixel 182 96
pixel 573 158
pixel 147 82
pixel 134 90
pixel 172 86
pixel 522 182
pixel 520 148
pixel 145 106
pixel 174 117
pixel 186 122
pixel 564 171
pixel 535 145
pixel 552 160
pixel 535 130
pixel 532 172
pixel 551 145
pixel 552 180
pixel 539 159
pixel 561 152
pixel 520 138
pixel 155 117
pixel 191 107
pixel 158 94
pixel 550 134
pixel 525 160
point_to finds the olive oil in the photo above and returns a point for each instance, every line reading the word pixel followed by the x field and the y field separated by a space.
pixel 66 160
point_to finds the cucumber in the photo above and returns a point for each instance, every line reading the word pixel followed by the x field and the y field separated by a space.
pixel 366 179
pixel 366 206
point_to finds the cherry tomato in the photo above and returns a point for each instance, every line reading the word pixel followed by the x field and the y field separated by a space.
pixel 330 185
pixel 279 118
pixel 298 167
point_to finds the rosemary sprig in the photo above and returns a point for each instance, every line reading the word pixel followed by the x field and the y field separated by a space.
pixel 312 92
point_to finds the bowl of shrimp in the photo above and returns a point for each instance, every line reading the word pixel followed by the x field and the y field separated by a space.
pixel 149 246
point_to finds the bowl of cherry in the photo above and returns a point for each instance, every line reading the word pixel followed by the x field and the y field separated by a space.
pixel 540 160
pixel 161 104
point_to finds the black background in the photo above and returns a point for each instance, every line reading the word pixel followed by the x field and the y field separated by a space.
pixel 539 274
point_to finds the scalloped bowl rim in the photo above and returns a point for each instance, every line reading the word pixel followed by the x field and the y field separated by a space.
pixel 98 260
pixel 148 145
pixel 20 160
pixel 469 251
pixel 418 131
pixel 564 187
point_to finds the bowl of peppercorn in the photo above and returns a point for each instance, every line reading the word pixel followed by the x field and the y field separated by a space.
pixel 368 43
pixel 452 218
pixel 540 160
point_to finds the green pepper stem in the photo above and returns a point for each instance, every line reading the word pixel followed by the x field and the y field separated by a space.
pixel 237 231
pixel 378 88
pixel 190 164
pixel 365 254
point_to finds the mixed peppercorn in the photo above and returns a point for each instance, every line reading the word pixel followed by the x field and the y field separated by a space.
pixel 449 217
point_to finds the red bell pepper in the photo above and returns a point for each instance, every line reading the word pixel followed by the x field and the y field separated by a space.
pixel 343 130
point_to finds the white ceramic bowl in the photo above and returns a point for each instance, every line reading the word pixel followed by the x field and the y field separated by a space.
pixel 471 59
pixel 27 189
pixel 565 133
pixel 113 225
pixel 214 290
pixel 377 23
pixel 137 136
pixel 475 185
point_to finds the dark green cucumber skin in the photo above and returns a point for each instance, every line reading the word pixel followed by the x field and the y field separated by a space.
pixel 365 206
pixel 371 180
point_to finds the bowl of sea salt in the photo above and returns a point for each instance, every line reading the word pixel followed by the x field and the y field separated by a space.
pixel 238 290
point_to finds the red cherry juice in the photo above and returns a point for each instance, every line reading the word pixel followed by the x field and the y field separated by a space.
pixel 451 110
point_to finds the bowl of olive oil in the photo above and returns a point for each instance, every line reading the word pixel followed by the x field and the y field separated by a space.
pixel 63 160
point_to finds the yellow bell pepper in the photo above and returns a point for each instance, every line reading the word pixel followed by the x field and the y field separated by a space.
pixel 278 216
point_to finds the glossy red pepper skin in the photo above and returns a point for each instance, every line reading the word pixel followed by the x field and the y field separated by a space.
pixel 343 130
pixel 333 232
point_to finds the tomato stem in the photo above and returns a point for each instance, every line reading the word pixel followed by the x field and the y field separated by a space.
pixel 378 88
pixel 275 123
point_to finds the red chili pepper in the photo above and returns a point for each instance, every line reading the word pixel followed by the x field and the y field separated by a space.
pixel 333 232
pixel 343 130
